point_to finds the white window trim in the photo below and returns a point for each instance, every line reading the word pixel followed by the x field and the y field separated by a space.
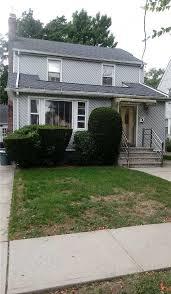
pixel 29 110
pixel 54 59
pixel 74 110
pixel 113 73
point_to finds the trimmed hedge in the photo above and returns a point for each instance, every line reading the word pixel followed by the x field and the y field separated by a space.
pixel 168 145
pixel 53 142
pixel 105 125
pixel 84 147
pixel 37 145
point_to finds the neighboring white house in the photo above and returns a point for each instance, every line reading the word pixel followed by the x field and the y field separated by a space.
pixel 165 86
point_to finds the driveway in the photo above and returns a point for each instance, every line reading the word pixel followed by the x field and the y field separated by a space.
pixel 161 172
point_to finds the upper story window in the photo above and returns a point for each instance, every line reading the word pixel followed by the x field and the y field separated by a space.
pixel 54 70
pixel 108 75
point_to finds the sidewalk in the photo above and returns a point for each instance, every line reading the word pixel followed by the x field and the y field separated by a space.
pixel 161 172
pixel 6 182
pixel 45 263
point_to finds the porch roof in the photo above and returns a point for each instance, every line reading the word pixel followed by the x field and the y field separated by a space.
pixel 32 84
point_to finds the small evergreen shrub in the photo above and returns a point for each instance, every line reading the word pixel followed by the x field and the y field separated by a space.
pixel 84 147
pixel 168 145
pixel 105 126
pixel 53 142
pixel 37 145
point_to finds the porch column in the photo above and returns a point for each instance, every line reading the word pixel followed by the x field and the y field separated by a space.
pixel 115 104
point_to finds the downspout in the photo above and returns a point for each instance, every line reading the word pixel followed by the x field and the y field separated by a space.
pixel 17 93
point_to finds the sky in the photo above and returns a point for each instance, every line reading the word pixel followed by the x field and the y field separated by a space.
pixel 127 23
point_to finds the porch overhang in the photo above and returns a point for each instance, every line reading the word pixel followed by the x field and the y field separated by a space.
pixel 136 100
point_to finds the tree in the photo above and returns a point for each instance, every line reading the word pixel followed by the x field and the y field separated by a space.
pixel 153 77
pixel 28 26
pixel 3 69
pixel 88 30
pixel 57 29
pixel 159 6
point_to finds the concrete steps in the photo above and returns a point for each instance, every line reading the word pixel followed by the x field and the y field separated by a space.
pixel 140 157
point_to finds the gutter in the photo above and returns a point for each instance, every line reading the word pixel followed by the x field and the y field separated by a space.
pixel 86 94
pixel 18 70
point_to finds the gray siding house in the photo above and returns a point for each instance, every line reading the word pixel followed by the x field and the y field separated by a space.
pixel 61 83
pixel 165 86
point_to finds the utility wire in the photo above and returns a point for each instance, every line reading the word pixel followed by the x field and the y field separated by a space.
pixel 145 33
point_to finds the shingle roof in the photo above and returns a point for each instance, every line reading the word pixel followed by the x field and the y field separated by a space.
pixel 129 89
pixel 3 114
pixel 75 50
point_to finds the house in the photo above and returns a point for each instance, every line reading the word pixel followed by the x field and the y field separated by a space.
pixel 165 86
pixel 3 121
pixel 61 83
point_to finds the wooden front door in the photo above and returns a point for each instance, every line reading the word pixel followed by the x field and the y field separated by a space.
pixel 128 115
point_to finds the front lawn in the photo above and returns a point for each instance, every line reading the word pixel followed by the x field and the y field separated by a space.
pixel 145 283
pixel 52 201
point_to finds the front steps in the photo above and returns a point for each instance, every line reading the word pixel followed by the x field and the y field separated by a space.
pixel 140 157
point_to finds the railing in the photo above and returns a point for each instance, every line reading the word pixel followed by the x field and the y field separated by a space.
pixel 125 146
pixel 152 140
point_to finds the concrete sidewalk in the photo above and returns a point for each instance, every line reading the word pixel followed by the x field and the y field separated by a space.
pixel 56 261
pixel 6 183
pixel 161 172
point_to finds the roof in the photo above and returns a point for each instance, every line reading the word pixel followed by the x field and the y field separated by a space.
pixel 165 83
pixel 74 50
pixel 3 114
pixel 29 83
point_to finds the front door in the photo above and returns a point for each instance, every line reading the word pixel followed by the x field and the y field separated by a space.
pixel 128 115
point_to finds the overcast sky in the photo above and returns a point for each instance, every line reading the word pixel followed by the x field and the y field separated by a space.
pixel 127 22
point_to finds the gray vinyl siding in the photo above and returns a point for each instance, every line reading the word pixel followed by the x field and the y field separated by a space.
pixel 81 72
pixel 73 71
pixel 33 65
pixel 96 103
pixel 125 73
pixel 154 117
pixel 14 113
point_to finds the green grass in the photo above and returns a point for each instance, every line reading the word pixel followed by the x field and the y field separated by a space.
pixel 146 283
pixel 61 200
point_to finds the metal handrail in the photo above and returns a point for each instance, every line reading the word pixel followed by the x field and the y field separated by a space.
pixel 154 141
pixel 125 146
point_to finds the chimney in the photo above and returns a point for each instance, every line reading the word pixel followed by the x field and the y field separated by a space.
pixel 12 24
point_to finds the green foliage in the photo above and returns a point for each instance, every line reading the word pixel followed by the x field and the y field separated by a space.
pixel 153 77
pixel 105 125
pixel 3 84
pixel 57 30
pixel 28 26
pixel 168 145
pixel 159 6
pixel 53 142
pixel 84 147
pixel 37 145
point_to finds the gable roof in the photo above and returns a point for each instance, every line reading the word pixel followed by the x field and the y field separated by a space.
pixel 165 83
pixel 32 84
pixel 74 50
pixel 3 114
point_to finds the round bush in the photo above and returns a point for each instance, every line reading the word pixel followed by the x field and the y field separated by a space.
pixel 168 145
pixel 84 147
pixel 105 125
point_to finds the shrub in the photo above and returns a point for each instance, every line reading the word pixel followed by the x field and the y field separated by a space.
pixel 23 148
pixel 168 145
pixel 53 142
pixel 105 125
pixel 84 147
pixel 37 145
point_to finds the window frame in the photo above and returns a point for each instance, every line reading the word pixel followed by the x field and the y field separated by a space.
pixel 83 115
pixel 113 74
pixel 54 59
pixel 34 113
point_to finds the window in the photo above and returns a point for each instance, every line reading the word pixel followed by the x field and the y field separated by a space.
pixel 34 114
pixel 58 113
pixel 108 73
pixel 54 70
pixel 81 115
